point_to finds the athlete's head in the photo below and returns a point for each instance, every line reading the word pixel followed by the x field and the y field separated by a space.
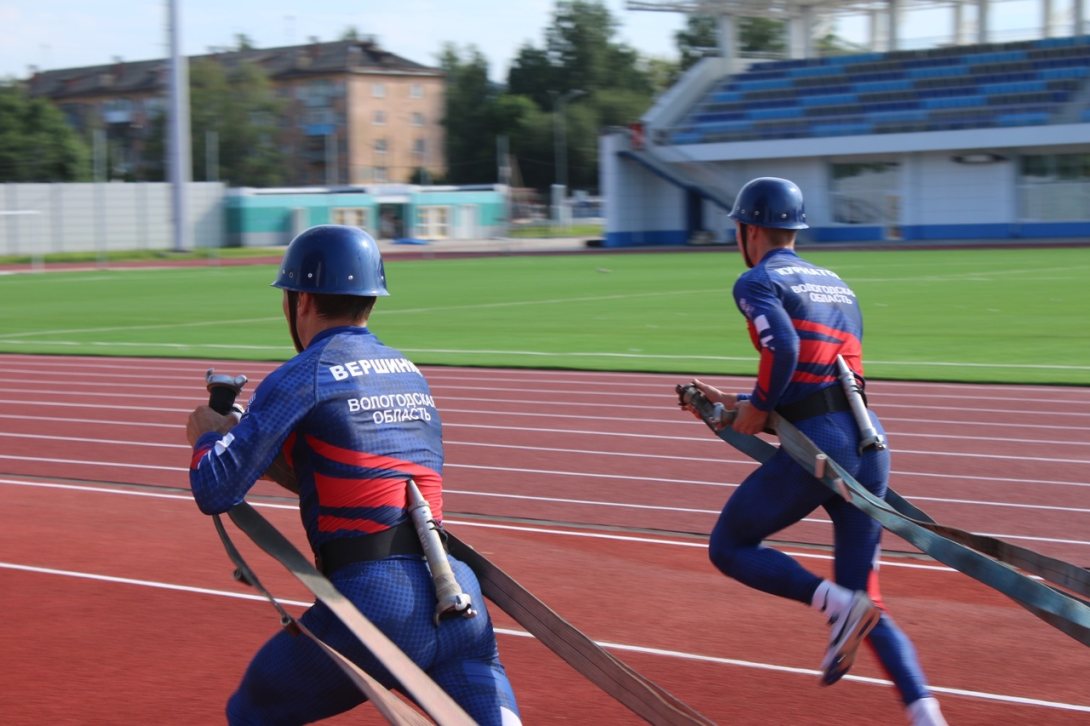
pixel 339 266
pixel 333 259
pixel 770 203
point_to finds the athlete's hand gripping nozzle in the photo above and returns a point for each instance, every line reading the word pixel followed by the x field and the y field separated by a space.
pixel 868 435
pixel 450 599
pixel 223 390
pixel 715 415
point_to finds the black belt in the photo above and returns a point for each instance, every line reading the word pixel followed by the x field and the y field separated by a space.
pixel 827 400
pixel 398 540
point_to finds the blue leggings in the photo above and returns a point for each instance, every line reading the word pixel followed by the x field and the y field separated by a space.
pixel 292 681
pixel 780 493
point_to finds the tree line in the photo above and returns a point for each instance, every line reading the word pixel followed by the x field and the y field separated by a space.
pixel 581 79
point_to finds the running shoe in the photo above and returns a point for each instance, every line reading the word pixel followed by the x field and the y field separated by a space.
pixel 849 628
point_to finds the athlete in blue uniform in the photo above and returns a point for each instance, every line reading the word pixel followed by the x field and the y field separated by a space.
pixel 800 317
pixel 350 420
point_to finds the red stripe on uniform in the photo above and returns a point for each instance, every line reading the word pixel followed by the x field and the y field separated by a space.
pixel 812 327
pixel 369 461
pixel 427 480
pixel 337 492
pixel 288 448
pixel 198 454
pixel 329 523
pixel 764 372
pixel 803 377
pixel 873 591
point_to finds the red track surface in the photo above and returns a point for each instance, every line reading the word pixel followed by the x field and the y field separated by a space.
pixel 121 609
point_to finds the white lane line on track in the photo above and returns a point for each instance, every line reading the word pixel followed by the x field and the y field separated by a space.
pixel 656 437
pixel 734 459
pixel 520 528
pixel 546 472
pixel 629 505
pixel 138 365
pixel 448 410
pixel 1064 394
pixel 808 520
pixel 511 632
pixel 578 398
pixel 20 338
pixel 747 462
pixel 881 390
pixel 130 368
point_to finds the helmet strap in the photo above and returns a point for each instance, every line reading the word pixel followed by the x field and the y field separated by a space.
pixel 743 240
pixel 293 302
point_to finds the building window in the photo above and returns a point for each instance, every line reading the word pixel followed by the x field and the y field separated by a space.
pixel 866 193
pixel 417 118
pixel 117 110
pixel 378 90
pixel 379 118
pixel 420 147
pixel 416 91
pixel 433 222
pixel 380 146
pixel 352 216
pixel 379 174
pixel 1053 187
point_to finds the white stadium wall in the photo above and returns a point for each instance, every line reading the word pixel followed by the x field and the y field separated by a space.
pixel 40 219
pixel 947 193
pixel 986 142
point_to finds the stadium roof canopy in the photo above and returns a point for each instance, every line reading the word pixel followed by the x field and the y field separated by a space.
pixel 776 8
pixel 800 16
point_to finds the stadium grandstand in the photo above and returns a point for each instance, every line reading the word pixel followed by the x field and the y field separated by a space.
pixel 962 141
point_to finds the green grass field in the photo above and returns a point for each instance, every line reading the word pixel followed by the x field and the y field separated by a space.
pixel 1007 315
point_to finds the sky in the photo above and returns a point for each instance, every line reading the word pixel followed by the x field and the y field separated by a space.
pixel 52 34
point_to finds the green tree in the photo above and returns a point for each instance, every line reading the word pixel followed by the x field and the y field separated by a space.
pixel 36 143
pixel 533 75
pixel 240 107
pixel 581 53
pixel 469 118
pixel 153 159
pixel 701 34
pixel 694 40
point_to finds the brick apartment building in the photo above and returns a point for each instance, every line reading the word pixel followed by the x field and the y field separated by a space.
pixel 353 114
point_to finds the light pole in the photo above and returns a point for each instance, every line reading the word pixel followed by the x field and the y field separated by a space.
pixel 560 136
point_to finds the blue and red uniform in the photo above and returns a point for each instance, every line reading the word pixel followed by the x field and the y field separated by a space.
pixel 354 419
pixel 800 317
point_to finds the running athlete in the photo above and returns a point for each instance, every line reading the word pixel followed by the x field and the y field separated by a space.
pixel 349 420
pixel 800 317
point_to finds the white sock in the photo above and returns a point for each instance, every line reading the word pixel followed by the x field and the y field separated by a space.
pixel 831 598
pixel 925 712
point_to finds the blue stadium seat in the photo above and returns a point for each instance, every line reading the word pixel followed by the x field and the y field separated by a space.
pixel 1012 84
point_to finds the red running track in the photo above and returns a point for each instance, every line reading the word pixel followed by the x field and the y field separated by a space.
pixel 591 488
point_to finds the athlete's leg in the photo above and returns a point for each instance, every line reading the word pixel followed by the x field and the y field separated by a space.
pixel 291 680
pixel 778 494
pixel 856 546
pixel 467 662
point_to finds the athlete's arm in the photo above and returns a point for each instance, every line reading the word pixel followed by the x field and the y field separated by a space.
pixel 225 465
pixel 773 335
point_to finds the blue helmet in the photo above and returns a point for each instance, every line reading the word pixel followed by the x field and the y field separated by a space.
pixel 333 259
pixel 770 202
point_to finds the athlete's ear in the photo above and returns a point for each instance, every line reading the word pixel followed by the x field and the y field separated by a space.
pixel 306 303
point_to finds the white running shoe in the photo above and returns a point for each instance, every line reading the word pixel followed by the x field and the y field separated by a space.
pixel 849 628
pixel 925 712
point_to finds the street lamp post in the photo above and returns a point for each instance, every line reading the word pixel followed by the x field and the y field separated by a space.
pixel 560 134
pixel 561 143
